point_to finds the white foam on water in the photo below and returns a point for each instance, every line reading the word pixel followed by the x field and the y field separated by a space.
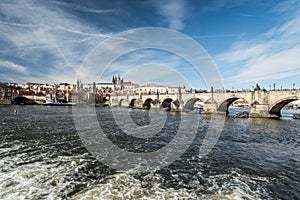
pixel 236 186
pixel 45 179
pixel 42 177
pixel 125 186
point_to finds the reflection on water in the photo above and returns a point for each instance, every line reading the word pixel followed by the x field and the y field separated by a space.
pixel 288 114
pixel 42 157
pixel 285 113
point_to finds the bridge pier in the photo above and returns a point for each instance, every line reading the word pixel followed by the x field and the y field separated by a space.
pixel 114 102
pixel 138 103
pixel 210 106
pixel 261 111
pixel 124 103
pixel 176 108
pixel 155 106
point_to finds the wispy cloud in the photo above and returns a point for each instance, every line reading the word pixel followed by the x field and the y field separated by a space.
pixel 270 56
pixel 86 9
pixel 53 41
pixel 216 36
pixel 215 5
pixel 155 66
pixel 173 12
pixel 141 59
pixel 157 73
pixel 13 66
pixel 286 7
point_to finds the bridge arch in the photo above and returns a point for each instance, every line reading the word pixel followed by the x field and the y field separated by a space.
pixel 223 107
pixel 278 105
pixel 147 103
pixel 132 102
pixel 190 103
pixel 121 102
pixel 167 104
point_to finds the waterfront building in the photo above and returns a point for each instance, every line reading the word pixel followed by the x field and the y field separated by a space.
pixel 293 105
pixel 121 86
pixel 66 86
pixel 129 88
pixel 240 103
pixel 5 94
pixel 36 92
pixel 105 87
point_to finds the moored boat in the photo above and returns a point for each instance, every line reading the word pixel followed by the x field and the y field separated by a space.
pixel 296 116
pixel 59 104
pixel 50 102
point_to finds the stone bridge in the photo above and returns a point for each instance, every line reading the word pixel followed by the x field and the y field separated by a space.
pixel 262 103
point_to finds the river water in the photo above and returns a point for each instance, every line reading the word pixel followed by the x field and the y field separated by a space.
pixel 42 157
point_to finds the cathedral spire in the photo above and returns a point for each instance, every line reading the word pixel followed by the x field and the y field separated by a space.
pixel 113 80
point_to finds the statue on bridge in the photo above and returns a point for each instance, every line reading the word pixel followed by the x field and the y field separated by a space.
pixel 256 87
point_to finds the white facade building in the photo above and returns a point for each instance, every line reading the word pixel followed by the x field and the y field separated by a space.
pixel 150 89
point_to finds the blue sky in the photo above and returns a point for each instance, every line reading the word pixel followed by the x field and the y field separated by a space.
pixel 250 41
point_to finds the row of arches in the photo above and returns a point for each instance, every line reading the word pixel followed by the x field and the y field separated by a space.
pixel 148 103
pixel 189 105
pixel 274 109
pixel 167 104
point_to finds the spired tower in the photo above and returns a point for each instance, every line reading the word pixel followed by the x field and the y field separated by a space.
pixel 117 81
pixel 114 80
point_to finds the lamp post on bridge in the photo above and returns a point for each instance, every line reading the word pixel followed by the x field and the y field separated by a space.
pixel 293 86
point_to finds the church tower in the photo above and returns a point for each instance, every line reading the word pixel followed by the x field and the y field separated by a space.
pixel 114 80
